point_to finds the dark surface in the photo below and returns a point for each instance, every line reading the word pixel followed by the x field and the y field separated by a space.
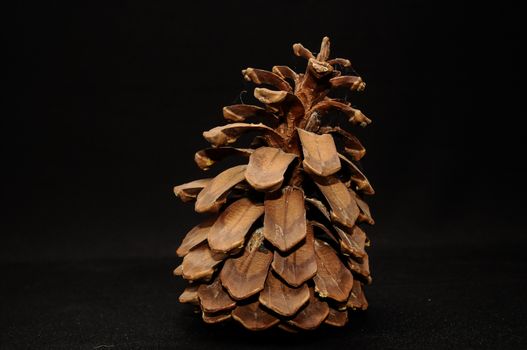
pixel 105 110
pixel 470 299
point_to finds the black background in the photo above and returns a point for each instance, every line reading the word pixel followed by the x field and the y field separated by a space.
pixel 105 109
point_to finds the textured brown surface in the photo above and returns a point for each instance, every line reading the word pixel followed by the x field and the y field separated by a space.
pixel 285 218
pixel 260 76
pixel 312 315
pixel 365 214
pixel 214 298
pixel 245 275
pixel 357 299
pixel 337 318
pixel 281 298
pixel 358 178
pixel 197 235
pixel 266 168
pixel 215 317
pixel 333 279
pixel 229 230
pixel 285 72
pixel 360 267
pixel 266 258
pixel 227 134
pixel 252 316
pixel 189 191
pixel 320 153
pixel 239 113
pixel 344 209
pixel 355 116
pixel 352 145
pixel 190 295
pixel 213 192
pixel 330 235
pixel 349 242
pixel 200 262
pixel 350 82
pixel 299 265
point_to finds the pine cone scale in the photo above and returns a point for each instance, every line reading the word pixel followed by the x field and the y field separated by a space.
pixel 299 265
pixel 266 168
pixel 281 298
pixel 285 218
pixel 245 276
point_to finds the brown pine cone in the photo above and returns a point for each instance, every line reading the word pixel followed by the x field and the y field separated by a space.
pixel 282 244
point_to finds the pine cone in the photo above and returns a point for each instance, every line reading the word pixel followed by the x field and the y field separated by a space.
pixel 282 244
